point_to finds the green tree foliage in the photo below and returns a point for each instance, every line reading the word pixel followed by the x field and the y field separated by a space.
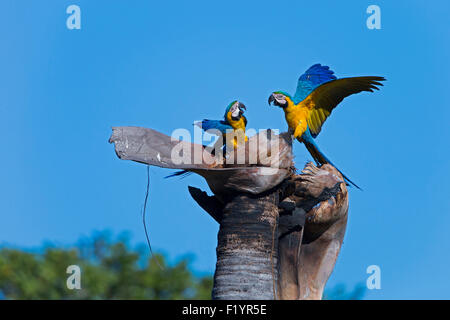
pixel 109 270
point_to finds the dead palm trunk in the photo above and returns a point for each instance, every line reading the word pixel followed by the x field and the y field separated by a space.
pixel 247 248
pixel 280 233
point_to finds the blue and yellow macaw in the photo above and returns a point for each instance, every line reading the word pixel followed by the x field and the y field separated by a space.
pixel 233 120
pixel 318 93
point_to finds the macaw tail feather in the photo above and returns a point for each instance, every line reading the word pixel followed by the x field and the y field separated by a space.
pixel 319 157
pixel 181 174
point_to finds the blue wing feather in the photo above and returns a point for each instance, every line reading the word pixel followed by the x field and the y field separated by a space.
pixel 220 125
pixel 311 79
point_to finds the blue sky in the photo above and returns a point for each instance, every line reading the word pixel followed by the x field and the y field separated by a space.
pixel 164 65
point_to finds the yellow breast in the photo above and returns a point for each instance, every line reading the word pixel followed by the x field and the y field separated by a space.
pixel 296 118
pixel 237 125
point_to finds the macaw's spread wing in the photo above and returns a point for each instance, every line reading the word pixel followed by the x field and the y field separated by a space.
pixel 328 95
pixel 311 79
pixel 220 125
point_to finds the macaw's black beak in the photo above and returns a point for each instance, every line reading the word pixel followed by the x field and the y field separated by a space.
pixel 271 99
pixel 241 107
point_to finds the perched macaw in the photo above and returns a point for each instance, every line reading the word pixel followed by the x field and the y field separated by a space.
pixel 233 120
pixel 318 93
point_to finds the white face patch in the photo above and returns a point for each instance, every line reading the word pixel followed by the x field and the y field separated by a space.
pixel 235 111
pixel 280 98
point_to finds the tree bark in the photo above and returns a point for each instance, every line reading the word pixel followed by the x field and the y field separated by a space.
pixel 308 214
pixel 315 231
pixel 247 248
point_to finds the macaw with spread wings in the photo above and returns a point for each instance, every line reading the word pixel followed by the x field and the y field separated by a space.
pixel 318 93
